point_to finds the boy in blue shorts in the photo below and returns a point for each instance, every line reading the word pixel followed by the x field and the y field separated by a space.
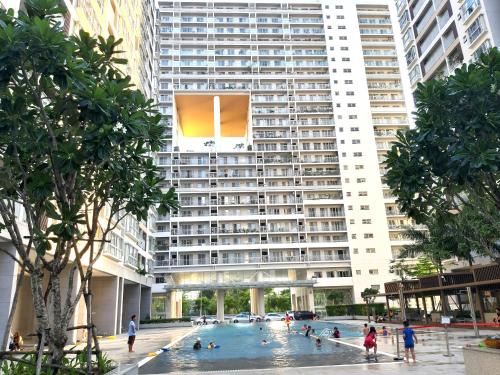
pixel 410 340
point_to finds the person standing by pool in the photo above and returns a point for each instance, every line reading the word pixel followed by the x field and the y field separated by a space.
pixel 288 321
pixel 371 342
pixel 366 330
pixel 410 340
pixel 131 334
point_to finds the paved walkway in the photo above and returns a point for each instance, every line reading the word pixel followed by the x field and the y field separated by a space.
pixel 147 340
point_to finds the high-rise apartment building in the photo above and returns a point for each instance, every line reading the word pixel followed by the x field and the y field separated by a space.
pixel 121 287
pixel 440 35
pixel 277 118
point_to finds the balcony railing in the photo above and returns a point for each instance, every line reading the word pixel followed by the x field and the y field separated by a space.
pixel 221 260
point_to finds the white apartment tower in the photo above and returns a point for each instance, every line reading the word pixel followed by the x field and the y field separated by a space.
pixel 440 35
pixel 277 118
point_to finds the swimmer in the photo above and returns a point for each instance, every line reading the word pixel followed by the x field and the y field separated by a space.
pixel 336 333
pixel 264 342
pixel 211 345
pixel 197 344
pixel 385 332
pixel 318 342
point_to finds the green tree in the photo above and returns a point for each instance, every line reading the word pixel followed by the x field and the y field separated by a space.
pixel 75 139
pixel 450 161
pixel 336 296
pixel 423 267
pixel 278 302
pixel 368 296
pixel 401 268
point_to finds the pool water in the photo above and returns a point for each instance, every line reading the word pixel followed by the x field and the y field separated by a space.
pixel 241 348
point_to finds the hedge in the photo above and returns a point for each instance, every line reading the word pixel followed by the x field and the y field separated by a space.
pixel 170 320
pixel 356 309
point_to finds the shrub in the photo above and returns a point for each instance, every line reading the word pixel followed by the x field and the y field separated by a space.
pixel 356 309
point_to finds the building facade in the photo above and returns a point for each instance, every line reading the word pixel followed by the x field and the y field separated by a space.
pixel 122 278
pixel 277 118
pixel 440 35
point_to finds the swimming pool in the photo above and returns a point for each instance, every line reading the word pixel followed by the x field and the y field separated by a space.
pixel 241 348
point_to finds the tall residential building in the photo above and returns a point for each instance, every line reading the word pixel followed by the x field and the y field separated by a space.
pixel 441 35
pixel 121 286
pixel 278 115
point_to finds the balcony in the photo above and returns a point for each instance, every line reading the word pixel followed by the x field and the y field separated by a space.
pixel 272 258
pixel 468 8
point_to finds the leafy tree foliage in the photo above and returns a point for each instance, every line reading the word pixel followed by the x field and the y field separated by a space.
pixel 75 138
pixel 448 166
pixel 278 302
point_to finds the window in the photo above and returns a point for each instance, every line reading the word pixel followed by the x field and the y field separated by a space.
pixel 373 272
pixel 341 129
pixel 355 250
pixel 357 154
pixel 351 105
pixel 331 48
pixel 341 27
pixel 359 166
pixel 342 141
pixel 330 274
pixel 363 194
pixel 348 193
pixel 349 208
pixel 344 154
pixel 346 167
pixel 368 235
pixel 346 59
pixel 376 286
pixel 332 59
pixel 344 48
pixel 353 117
pixel 340 17
pixel 354 236
pixel 361 180
pixel 342 38
pixel 328 17
pixel 329 27
pixel 355 129
pixel 334 70
pixel 358 272
pixel 356 141
pixel 364 207
pixel 330 38
pixel 370 250
pixel 349 93
pixel 344 273
pixel 348 82
pixel 346 180
pixel 318 274
pixel 339 7
pixel 352 221
pixel 338 105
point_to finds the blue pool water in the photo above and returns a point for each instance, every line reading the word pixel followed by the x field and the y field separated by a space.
pixel 241 348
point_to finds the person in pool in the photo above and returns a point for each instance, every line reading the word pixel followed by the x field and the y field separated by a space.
pixel 336 333
pixel 318 342
pixel 211 345
pixel 264 342
pixel 197 344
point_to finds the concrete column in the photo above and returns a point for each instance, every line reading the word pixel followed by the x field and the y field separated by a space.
pixel 257 301
pixel 146 298
pixel 310 300
pixel 106 303
pixel 119 310
pixel 217 131
pixel 131 302
pixel 175 304
pixel 8 277
pixel 220 304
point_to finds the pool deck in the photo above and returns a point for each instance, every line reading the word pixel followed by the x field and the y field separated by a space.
pixel 147 341
pixel 430 352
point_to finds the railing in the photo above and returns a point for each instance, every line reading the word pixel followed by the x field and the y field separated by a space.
pixel 221 260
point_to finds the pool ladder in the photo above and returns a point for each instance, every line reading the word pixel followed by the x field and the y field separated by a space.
pixel 326 332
